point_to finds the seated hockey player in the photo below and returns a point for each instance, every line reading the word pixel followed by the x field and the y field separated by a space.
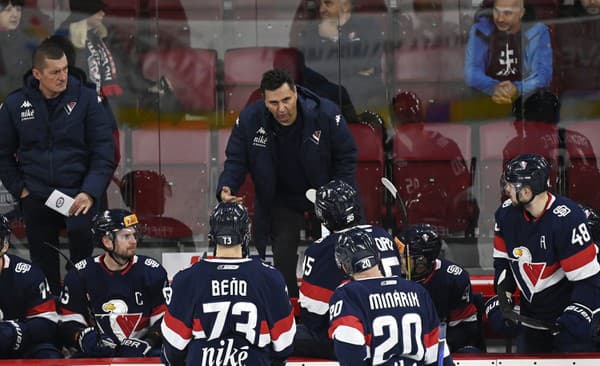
pixel 448 284
pixel 28 316
pixel 111 305
pixel 377 320
pixel 542 244
pixel 337 206
pixel 231 309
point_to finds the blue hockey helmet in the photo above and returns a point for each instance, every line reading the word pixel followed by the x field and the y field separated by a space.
pixel 109 222
pixel 424 246
pixel 229 225
pixel 355 251
pixel 337 205
pixel 530 170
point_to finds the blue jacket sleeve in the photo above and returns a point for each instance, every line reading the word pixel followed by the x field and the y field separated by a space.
pixel 9 172
pixel 539 62
pixel 98 130
pixel 344 153
pixel 236 162
pixel 475 61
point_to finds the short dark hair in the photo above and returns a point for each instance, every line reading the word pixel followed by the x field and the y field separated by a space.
pixel 274 79
pixel 5 3
pixel 48 49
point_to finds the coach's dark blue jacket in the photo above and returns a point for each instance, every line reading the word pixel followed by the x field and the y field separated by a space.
pixel 328 151
pixel 71 151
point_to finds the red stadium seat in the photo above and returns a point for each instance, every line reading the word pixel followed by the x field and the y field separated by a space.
pixel 192 73
pixel 243 69
pixel 432 175
pixel 183 157
pixel 582 170
pixel 369 170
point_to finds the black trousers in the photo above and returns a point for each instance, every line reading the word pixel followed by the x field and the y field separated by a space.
pixel 44 225
pixel 285 231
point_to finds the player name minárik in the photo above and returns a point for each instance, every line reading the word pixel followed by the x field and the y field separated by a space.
pixel 393 300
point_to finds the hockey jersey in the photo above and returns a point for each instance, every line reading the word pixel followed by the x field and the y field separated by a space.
pixel 450 288
pixel 124 303
pixel 546 255
pixel 385 321
pixel 322 276
pixel 27 299
pixel 228 312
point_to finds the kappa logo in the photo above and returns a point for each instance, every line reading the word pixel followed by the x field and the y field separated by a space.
pixel 26 104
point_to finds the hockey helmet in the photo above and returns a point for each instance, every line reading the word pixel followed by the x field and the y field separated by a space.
pixel 424 246
pixel 355 251
pixel 531 170
pixel 109 222
pixel 337 205
pixel 408 107
pixel 229 225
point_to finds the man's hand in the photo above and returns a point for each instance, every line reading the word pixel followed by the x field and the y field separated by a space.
pixel 328 29
pixel 504 92
pixel 227 196
pixel 83 202
pixel 24 193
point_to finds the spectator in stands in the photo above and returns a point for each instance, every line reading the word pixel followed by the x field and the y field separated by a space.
pixel 289 142
pixel 15 47
pixel 437 199
pixel 543 246
pixel 577 36
pixel 73 155
pixel 337 205
pixel 123 291
pixel 365 323
pixel 505 57
pixel 28 312
pixel 346 48
pixel 448 284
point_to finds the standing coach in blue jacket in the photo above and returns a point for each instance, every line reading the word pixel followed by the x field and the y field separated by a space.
pixel 55 135
pixel 290 141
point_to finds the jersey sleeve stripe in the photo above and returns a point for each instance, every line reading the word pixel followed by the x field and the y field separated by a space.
pixel 315 292
pixel 73 317
pixel 175 331
pixel 499 247
pixel 467 314
pixel 312 305
pixel 47 306
pixel 348 329
pixel 582 264
pixel 283 331
pixel 431 341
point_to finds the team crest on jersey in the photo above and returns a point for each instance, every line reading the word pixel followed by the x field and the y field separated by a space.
pixel 118 320
pixel 530 273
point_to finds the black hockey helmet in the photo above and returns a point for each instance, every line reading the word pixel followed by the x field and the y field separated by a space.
pixel 4 231
pixel 229 225
pixel 355 251
pixel 541 106
pixel 593 222
pixel 531 170
pixel 337 205
pixel 424 246
pixel 112 221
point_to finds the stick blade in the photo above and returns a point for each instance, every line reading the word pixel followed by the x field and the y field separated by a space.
pixel 311 195
pixel 389 186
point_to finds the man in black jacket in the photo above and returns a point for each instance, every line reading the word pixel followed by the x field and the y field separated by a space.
pixel 55 136
pixel 289 142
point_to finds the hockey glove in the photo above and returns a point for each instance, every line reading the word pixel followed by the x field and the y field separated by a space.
pixel 496 320
pixel 95 345
pixel 578 321
pixel 11 336
pixel 133 347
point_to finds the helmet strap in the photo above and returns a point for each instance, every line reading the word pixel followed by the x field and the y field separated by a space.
pixel 120 260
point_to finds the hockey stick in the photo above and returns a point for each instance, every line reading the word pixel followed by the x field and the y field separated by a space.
pixel 394 192
pixel 88 305
pixel 441 343
pixel 311 195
